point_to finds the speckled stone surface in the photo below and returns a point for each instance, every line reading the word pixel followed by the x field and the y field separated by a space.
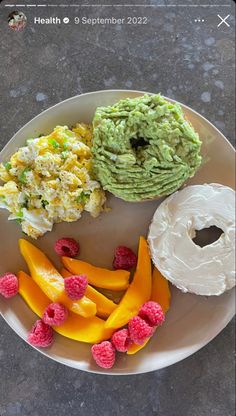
pixel 184 59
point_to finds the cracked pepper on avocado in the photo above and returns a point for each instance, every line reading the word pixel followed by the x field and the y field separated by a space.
pixel 138 149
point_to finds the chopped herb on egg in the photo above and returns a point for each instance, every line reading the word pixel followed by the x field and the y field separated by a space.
pixel 65 143
pixel 69 133
pixel 22 177
pixel 44 203
pixel 54 143
pixel 83 198
pixel 19 216
pixel 8 166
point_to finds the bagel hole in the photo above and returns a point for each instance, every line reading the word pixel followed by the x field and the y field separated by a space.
pixel 138 142
pixel 207 236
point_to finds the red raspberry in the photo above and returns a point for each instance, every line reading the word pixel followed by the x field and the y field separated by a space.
pixel 124 258
pixel 152 313
pixel 104 354
pixel 75 286
pixel 139 330
pixel 55 314
pixel 67 247
pixel 121 340
pixel 8 285
pixel 41 334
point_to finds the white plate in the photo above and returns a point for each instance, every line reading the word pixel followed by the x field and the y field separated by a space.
pixel 192 320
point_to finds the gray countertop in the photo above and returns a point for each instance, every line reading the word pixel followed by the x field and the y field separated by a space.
pixel 184 59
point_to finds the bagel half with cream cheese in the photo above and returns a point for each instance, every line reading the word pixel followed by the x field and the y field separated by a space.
pixel 208 270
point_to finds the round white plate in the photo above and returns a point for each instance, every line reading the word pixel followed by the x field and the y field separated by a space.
pixel 192 320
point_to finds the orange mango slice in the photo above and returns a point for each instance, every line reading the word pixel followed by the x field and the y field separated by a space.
pixel 160 290
pixel 138 292
pixel 51 282
pixel 114 295
pixel 105 306
pixel 89 330
pixel 33 296
pixel 97 276
pixel 160 294
pixel 135 347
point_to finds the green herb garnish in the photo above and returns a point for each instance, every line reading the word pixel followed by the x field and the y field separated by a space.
pixel 82 198
pixel 44 203
pixel 70 133
pixel 19 216
pixel 8 166
pixel 54 143
pixel 22 177
pixel 65 143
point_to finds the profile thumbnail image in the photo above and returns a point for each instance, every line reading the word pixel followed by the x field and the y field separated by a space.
pixel 17 21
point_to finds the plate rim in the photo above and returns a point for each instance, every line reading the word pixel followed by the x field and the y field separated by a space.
pixel 112 91
pixel 182 355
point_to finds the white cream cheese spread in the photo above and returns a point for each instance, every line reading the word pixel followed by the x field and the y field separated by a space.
pixel 208 270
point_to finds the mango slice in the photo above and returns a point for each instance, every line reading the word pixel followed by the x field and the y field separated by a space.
pixel 105 306
pixel 138 292
pixel 89 330
pixel 107 279
pixel 114 295
pixel 135 347
pixel 160 290
pixel 51 282
pixel 33 296
pixel 160 294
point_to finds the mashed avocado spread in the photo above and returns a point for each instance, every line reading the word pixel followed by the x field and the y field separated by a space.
pixel 143 148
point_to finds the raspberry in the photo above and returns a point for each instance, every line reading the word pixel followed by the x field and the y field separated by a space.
pixel 104 354
pixel 139 330
pixel 67 247
pixel 8 285
pixel 121 340
pixel 41 334
pixel 124 258
pixel 55 314
pixel 152 313
pixel 75 286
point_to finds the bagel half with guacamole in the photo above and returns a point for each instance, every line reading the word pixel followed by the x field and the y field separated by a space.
pixel 144 148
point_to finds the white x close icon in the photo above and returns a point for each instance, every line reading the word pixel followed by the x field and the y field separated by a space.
pixel 223 20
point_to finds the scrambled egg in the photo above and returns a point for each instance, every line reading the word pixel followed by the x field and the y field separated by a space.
pixel 50 180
